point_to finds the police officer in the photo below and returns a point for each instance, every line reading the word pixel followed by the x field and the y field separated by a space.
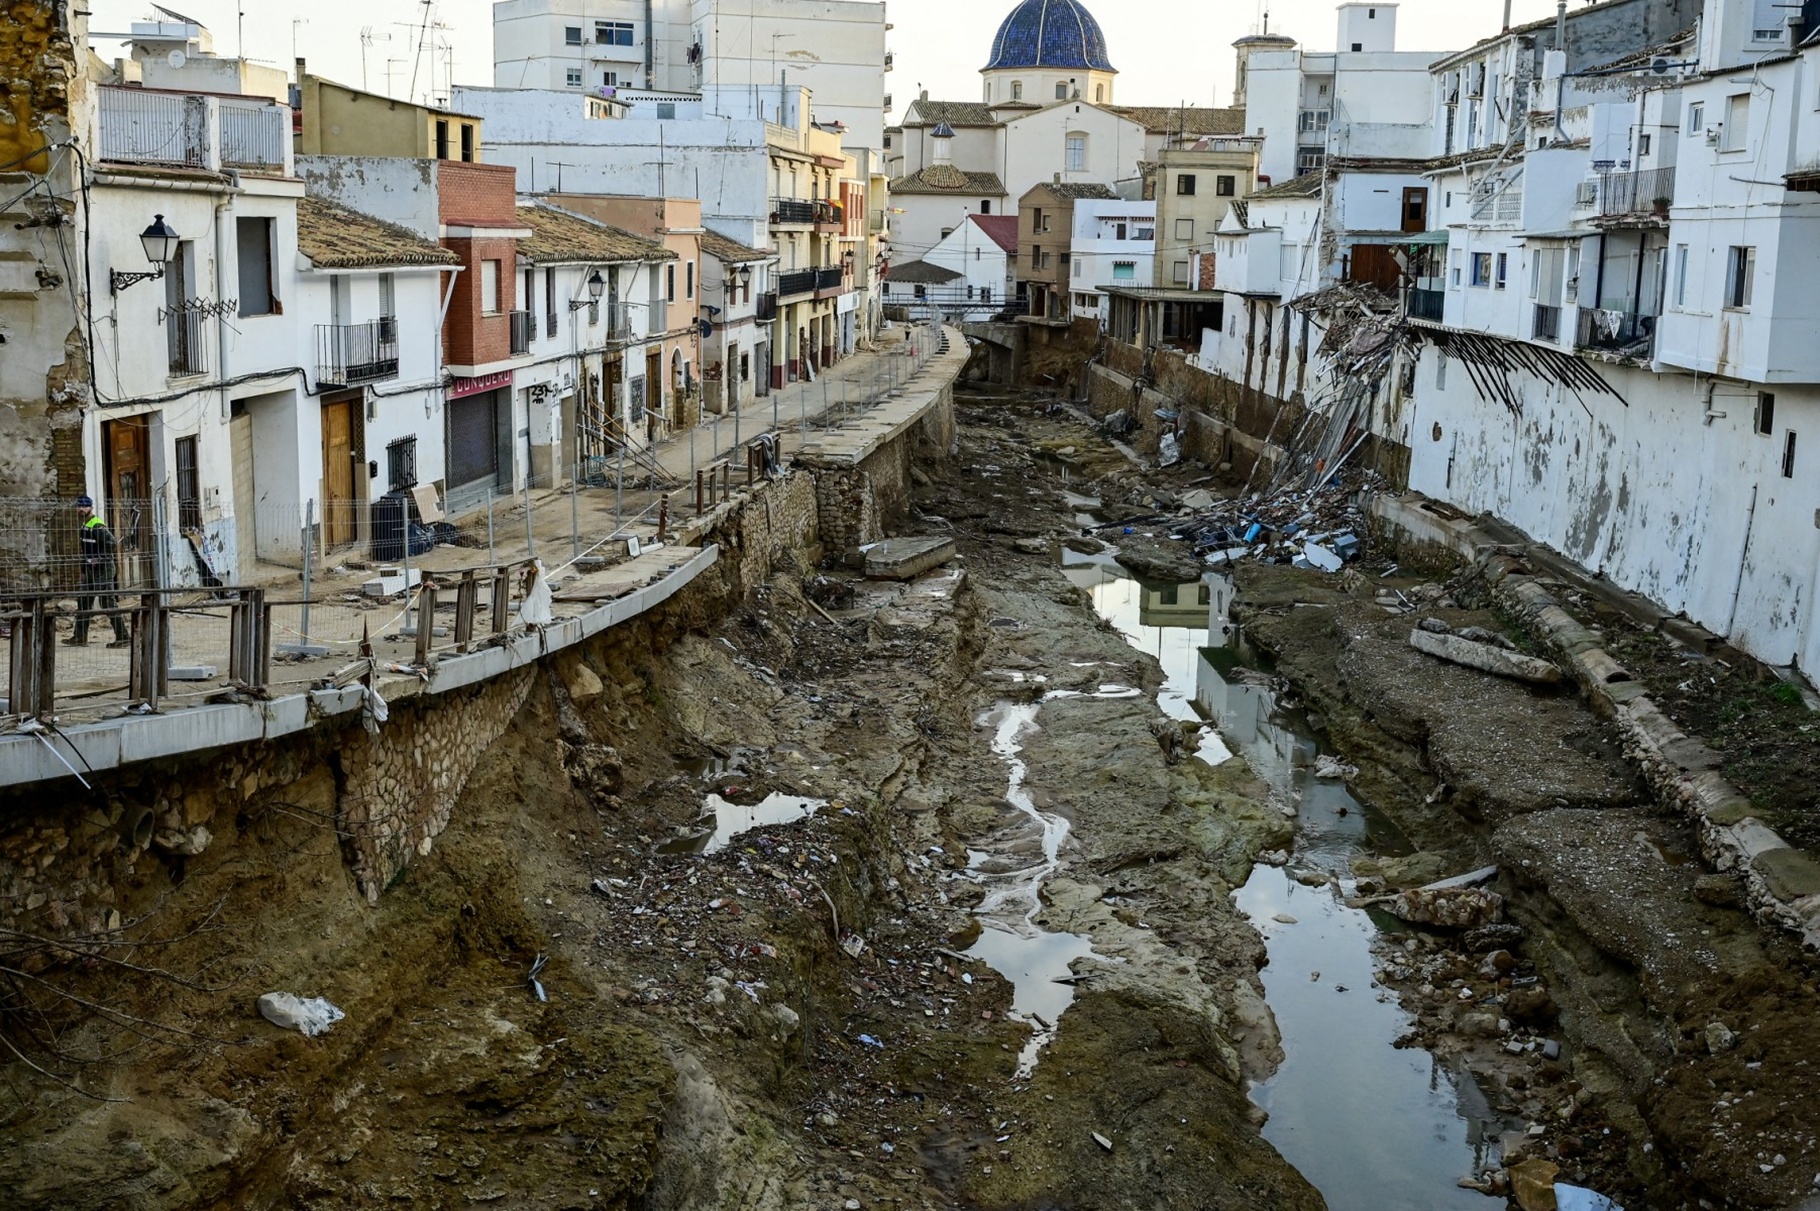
pixel 99 577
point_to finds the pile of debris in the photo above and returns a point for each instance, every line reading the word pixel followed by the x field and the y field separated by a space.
pixel 1317 527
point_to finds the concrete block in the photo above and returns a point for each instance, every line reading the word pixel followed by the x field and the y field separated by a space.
pixel 1485 658
pixel 906 558
pixel 150 737
pixel 1753 838
pixel 1788 874
pixel 285 715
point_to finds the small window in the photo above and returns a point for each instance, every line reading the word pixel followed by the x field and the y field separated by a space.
pixel 1481 269
pixel 1061 91
pixel 745 367
pixel 670 282
pixel 572 77
pixel 613 33
pixel 1503 272
pixel 1766 412
pixel 1036 220
pixel 489 287
pixel 689 280
pixel 1788 455
pixel 442 138
pixel 401 464
pixel 1453 263
pixel 1741 267
pixel 253 242
pixel 1357 47
pixel 1076 150
pixel 1184 229
pixel 388 303
pixel 1643 145
pixel 571 34
pixel 1017 90
pixel 666 111
pixel 1124 271
pixel 1099 94
pixel 1696 118
pixel 1680 275
pixel 1184 184
pixel 189 486
pixel 985 205
pixel 1225 186
pixel 467 142
pixel 1181 273
pixel 1737 123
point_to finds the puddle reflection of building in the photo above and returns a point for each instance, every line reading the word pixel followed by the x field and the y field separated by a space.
pixel 1243 714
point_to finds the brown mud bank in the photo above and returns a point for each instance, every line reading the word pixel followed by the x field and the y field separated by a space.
pixel 561 1004
pixel 1655 1038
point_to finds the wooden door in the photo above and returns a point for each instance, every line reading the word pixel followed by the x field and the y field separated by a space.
pixel 340 451
pixel 246 524
pixel 1415 208
pixel 654 381
pixel 128 508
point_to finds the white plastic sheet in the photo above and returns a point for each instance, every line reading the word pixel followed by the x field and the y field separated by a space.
pixel 1578 1198
pixel 312 1015
pixel 538 609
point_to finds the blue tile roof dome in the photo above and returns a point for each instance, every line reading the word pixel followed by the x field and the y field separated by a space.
pixel 1050 33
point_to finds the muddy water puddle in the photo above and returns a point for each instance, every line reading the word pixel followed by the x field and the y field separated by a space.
pixel 1373 1127
pixel 729 820
pixel 1035 960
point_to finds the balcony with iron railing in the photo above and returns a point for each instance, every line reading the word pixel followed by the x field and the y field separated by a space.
pixel 185 334
pixel 1647 193
pixel 830 278
pixel 350 354
pixel 1547 323
pixel 1430 305
pixel 147 126
pixel 792 212
pixel 617 317
pixel 522 323
pixel 797 281
pixel 1608 330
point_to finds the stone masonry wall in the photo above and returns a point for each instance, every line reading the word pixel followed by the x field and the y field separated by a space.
pixel 397 786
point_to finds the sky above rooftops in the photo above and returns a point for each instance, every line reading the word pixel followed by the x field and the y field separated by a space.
pixel 1167 51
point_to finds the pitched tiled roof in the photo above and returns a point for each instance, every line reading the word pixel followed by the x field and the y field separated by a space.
pixel 558 237
pixel 731 252
pixel 946 178
pixel 1002 228
pixel 954 113
pixel 1076 189
pixel 334 237
pixel 1172 119
pixel 1307 185
pixel 920 273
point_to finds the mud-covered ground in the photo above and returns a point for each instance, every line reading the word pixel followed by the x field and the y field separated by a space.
pixel 560 1007
pixel 1656 1039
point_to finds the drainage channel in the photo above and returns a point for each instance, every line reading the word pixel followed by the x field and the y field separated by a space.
pixel 1373 1127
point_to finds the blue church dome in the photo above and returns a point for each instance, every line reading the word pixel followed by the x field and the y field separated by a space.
pixel 1050 33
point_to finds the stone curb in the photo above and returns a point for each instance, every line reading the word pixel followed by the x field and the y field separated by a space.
pixel 1782 883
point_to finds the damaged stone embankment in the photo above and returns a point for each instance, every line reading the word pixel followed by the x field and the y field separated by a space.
pixel 788 1022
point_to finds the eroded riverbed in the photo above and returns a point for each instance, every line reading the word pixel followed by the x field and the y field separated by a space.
pixel 1372 1126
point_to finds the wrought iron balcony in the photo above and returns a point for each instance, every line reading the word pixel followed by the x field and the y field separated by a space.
pixel 1613 331
pixel 1648 192
pixel 1425 304
pixel 350 354
pixel 788 212
pixel 829 279
pixel 797 281
pixel 1547 325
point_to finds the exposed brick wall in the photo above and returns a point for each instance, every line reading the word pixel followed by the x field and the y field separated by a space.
pixel 470 337
pixel 476 193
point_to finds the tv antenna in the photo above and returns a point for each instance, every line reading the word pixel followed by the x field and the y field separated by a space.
pixel 367 38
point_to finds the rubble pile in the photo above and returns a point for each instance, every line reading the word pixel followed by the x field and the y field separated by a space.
pixel 1319 527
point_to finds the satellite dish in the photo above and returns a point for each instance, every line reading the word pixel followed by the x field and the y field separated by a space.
pixel 176 59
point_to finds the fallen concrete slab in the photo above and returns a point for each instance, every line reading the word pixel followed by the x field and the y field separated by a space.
pixel 906 558
pixel 1485 658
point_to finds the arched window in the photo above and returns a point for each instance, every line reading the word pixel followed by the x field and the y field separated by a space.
pixel 1099 96
pixel 1017 90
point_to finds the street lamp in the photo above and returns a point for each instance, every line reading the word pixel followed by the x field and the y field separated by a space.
pixel 160 244
pixel 745 276
pixel 597 286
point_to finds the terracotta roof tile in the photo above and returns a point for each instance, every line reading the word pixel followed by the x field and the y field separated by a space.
pixel 1002 228
pixel 1190 119
pixel 731 252
pixel 946 178
pixel 335 237
pixel 559 237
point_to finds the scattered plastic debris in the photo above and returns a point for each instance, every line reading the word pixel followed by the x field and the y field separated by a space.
pixel 311 1016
